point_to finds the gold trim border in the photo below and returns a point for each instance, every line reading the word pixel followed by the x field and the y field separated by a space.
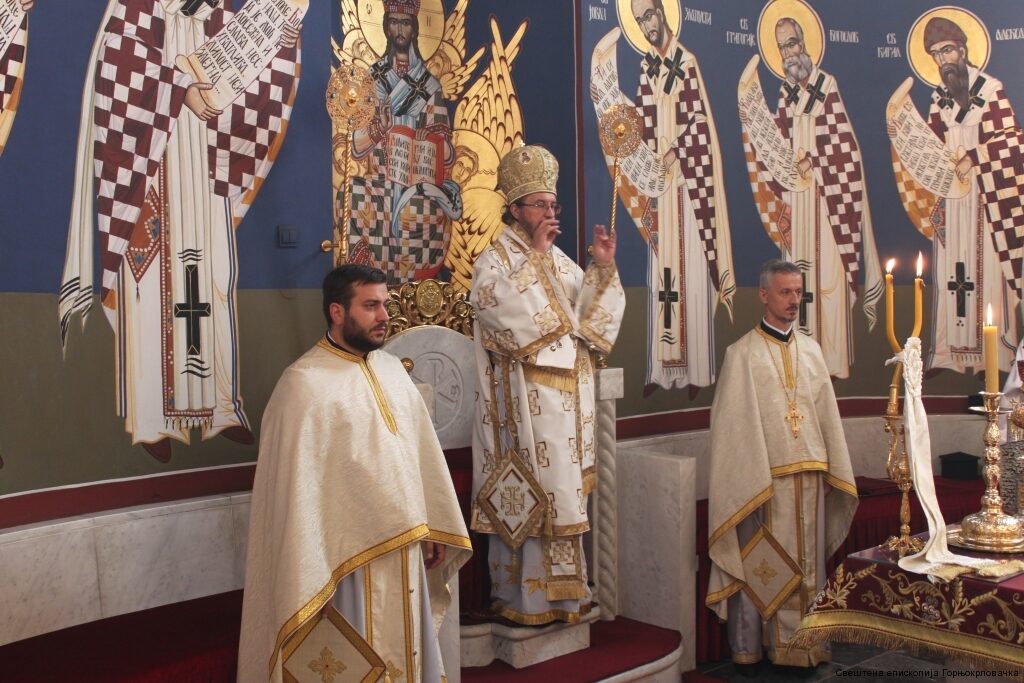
pixel 769 610
pixel 316 603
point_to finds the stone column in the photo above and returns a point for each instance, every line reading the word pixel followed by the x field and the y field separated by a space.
pixel 604 525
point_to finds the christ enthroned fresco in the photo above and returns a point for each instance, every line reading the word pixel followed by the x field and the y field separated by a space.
pixel 807 176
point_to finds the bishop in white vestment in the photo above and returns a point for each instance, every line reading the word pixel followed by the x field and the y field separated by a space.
pixel 539 319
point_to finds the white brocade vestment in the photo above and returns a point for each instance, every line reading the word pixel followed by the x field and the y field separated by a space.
pixel 780 494
pixel 538 318
pixel 350 480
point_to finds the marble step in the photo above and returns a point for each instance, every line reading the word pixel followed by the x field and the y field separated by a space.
pixel 523 646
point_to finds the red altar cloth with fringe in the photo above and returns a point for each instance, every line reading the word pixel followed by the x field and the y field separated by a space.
pixel 977 622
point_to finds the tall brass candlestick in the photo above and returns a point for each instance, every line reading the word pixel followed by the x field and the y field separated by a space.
pixel 991 529
pixel 897 462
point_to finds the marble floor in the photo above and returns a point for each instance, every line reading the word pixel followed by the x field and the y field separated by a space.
pixel 861 663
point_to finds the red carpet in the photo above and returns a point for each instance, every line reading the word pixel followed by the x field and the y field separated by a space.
pixel 188 642
pixel 197 642
pixel 615 646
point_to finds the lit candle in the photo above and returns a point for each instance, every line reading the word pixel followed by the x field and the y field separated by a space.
pixel 991 347
pixel 918 293
pixel 889 327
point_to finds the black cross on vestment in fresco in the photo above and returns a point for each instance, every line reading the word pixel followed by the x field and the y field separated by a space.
pixel 815 92
pixel 417 88
pixel 653 64
pixel 192 310
pixel 192 6
pixel 945 98
pixel 674 69
pixel 962 287
pixel 668 296
pixel 792 92
pixel 379 72
pixel 805 298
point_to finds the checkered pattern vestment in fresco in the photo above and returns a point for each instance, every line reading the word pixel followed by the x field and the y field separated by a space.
pixel 12 63
pixel 1001 181
pixel 838 161
pixel 693 148
pixel 139 97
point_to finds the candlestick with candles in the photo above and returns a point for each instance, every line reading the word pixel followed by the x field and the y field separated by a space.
pixel 897 463
pixel 990 529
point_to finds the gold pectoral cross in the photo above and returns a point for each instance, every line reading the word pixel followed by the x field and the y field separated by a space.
pixel 793 417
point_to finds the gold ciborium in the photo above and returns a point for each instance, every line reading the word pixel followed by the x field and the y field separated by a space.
pixel 991 529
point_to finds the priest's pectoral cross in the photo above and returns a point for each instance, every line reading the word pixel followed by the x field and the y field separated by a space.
pixel 794 417
pixel 667 296
pixel 192 310
pixel 806 298
pixel 962 287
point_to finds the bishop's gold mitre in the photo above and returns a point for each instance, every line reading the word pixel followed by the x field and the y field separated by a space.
pixel 526 170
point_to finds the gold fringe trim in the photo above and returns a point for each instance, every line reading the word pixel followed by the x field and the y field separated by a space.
pixel 566 590
pixel 556 378
pixel 877 631
pixel 540 619
pixel 589 481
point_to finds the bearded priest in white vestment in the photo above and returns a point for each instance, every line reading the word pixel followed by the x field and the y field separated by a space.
pixel 355 528
pixel 539 319
pixel 775 420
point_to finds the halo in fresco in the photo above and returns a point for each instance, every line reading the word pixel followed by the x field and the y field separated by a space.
pixel 431 16
pixel 804 15
pixel 632 31
pixel 979 45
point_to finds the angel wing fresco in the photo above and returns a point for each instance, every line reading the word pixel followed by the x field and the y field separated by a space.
pixel 488 124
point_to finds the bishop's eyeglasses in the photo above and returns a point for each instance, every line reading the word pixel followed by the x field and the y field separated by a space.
pixel 543 206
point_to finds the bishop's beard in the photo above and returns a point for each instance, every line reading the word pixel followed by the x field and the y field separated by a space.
pixel 957 81
pixel 798 68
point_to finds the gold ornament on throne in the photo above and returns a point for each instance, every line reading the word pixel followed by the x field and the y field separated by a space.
pixel 428 302
pixel 487 123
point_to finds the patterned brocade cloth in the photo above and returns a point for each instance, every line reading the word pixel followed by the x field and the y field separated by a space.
pixel 974 621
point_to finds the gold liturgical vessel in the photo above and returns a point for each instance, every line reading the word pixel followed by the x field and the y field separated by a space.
pixel 990 529
pixel 351 103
